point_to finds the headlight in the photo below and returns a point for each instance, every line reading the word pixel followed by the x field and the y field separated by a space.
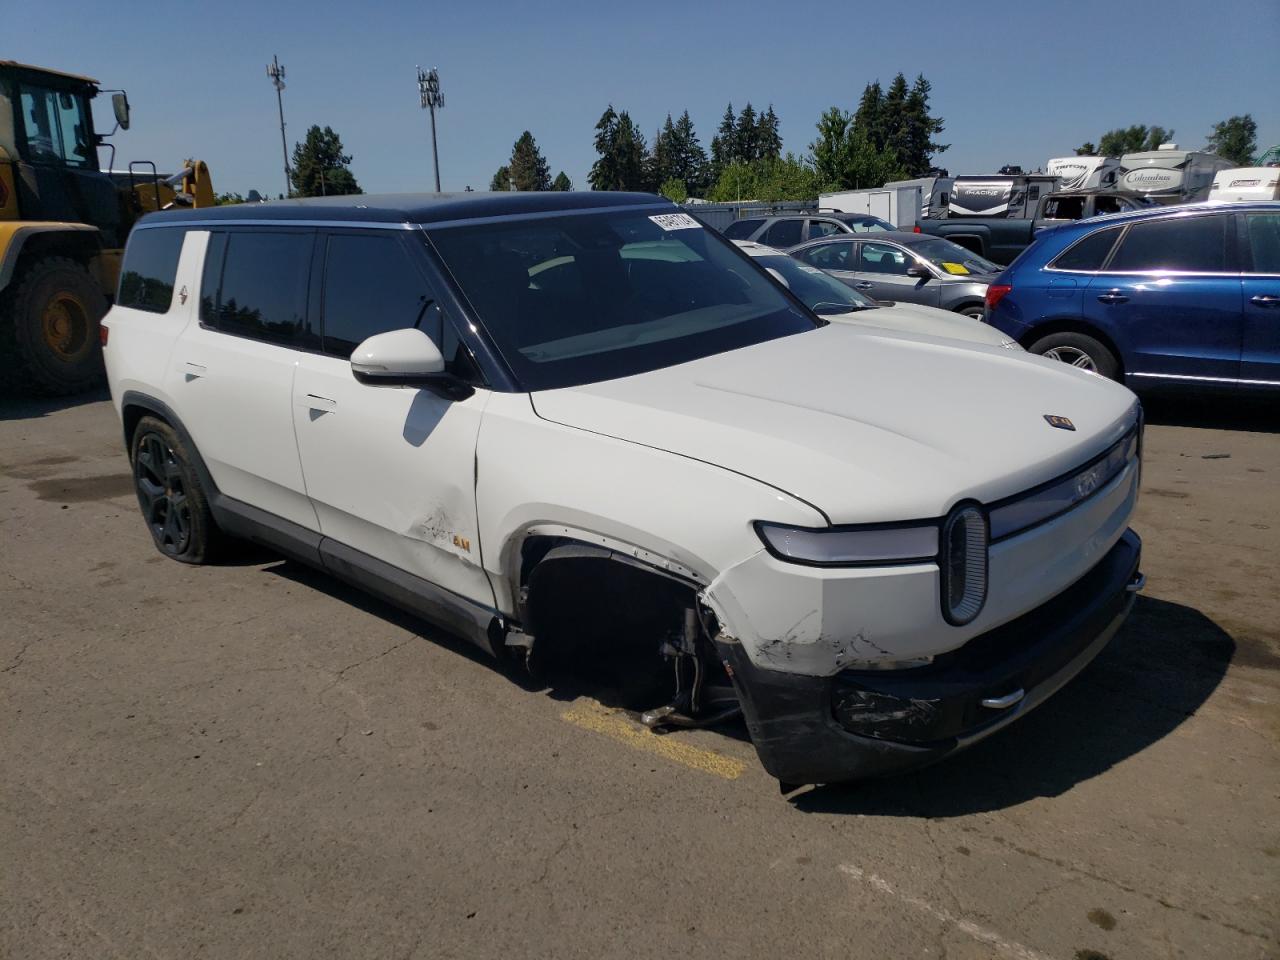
pixel 964 564
pixel 872 544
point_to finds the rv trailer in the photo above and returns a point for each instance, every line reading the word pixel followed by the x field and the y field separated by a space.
pixel 1245 183
pixel 1085 173
pixel 1170 175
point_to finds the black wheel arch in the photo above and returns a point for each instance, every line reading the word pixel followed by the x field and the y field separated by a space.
pixel 135 405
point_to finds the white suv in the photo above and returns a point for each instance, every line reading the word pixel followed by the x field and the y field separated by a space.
pixel 582 421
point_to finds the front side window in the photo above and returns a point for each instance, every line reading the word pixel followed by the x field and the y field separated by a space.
pixel 1264 241
pixel 823 228
pixel 1064 208
pixel 784 233
pixel 370 286
pixel 1194 245
pixel 150 269
pixel 589 297
pixel 830 256
pixel 260 288
pixel 952 258
pixel 56 126
pixel 741 229
pixel 1088 255
pixel 883 258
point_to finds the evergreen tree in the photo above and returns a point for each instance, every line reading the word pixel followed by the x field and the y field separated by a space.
pixel 897 128
pixel 528 168
pixel 747 136
pixel 724 143
pixel 918 148
pixel 501 180
pixel 831 149
pixel 1134 139
pixel 561 182
pixel 604 173
pixel 869 116
pixel 690 162
pixel 662 159
pixel 1235 139
pixel 768 139
pixel 320 166
pixel 1086 149
pixel 621 161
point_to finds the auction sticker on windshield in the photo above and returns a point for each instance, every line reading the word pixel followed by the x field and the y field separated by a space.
pixel 956 268
pixel 676 221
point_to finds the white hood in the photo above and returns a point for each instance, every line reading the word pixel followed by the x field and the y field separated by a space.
pixel 863 426
pixel 916 318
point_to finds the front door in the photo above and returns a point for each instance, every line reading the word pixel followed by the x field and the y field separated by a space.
pixel 390 470
pixel 882 275
pixel 1260 350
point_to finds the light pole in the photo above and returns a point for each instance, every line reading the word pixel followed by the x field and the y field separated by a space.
pixel 429 88
pixel 276 72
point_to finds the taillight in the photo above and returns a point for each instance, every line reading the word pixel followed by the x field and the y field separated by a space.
pixel 102 333
pixel 916 229
pixel 996 292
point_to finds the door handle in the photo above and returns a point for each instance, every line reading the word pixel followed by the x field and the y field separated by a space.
pixel 862 285
pixel 193 370
pixel 1266 300
pixel 1112 296
pixel 317 402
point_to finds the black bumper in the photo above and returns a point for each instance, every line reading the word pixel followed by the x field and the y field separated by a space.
pixel 869 723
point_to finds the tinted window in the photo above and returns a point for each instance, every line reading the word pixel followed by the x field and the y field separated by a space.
pixel 869 225
pixel 830 256
pixel 823 228
pixel 784 233
pixel 263 288
pixel 582 298
pixel 882 258
pixel 1090 253
pixel 1264 241
pixel 370 286
pixel 741 229
pixel 1198 244
pixel 1063 208
pixel 150 269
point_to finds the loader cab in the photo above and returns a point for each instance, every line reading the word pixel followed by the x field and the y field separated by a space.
pixel 47 132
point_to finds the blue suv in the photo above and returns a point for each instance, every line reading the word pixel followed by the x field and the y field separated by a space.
pixel 1176 296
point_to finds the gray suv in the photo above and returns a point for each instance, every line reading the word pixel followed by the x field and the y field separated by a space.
pixel 783 232
pixel 905 267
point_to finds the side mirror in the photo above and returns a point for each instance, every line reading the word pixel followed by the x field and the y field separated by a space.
pixel 406 358
pixel 120 104
pixel 919 272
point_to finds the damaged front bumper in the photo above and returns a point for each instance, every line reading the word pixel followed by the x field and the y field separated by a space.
pixel 857 724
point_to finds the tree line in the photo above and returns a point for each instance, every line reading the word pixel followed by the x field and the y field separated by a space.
pixel 1234 139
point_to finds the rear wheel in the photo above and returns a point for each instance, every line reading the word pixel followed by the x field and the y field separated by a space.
pixel 1080 351
pixel 974 311
pixel 49 329
pixel 174 504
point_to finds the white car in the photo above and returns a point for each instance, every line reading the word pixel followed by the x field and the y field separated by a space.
pixel 833 300
pixel 581 425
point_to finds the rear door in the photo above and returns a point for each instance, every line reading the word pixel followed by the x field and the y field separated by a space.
pixel 1260 351
pixel 837 257
pixel 784 233
pixel 825 227
pixel 1170 298
pixel 231 374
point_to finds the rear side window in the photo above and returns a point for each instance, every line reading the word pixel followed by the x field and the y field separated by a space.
pixel 741 229
pixel 1089 254
pixel 1264 241
pixel 830 256
pixel 150 269
pixel 1196 245
pixel 823 228
pixel 784 233
pixel 1064 208
pixel 259 289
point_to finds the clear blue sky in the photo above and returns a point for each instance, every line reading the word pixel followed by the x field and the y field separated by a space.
pixel 1015 83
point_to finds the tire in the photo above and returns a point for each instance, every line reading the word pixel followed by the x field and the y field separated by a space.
pixel 1079 350
pixel 49 329
pixel 973 311
pixel 174 504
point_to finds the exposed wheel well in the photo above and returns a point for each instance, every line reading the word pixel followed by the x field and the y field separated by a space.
pixel 1072 325
pixel 130 415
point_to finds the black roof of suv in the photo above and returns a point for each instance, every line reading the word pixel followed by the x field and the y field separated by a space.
pixel 417 207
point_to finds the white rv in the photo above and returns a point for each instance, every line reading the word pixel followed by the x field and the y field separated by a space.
pixel 1170 175
pixel 1000 196
pixel 1245 183
pixel 1085 173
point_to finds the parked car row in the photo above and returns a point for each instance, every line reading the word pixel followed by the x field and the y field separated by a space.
pixel 584 425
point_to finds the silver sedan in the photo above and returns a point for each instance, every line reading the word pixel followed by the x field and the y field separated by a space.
pixel 905 267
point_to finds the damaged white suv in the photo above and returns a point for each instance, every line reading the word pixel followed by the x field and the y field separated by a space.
pixel 584 420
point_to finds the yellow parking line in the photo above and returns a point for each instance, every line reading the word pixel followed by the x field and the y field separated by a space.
pixel 598 719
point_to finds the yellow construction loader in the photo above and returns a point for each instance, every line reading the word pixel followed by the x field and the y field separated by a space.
pixel 63 224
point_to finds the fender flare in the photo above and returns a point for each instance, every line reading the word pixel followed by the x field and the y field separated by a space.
pixel 13 238
pixel 145 402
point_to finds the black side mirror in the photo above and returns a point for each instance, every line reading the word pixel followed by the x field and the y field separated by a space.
pixel 120 105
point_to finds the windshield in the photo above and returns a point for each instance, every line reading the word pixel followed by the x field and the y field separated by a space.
pixel 588 297
pixel 868 225
pixel 952 258
pixel 815 288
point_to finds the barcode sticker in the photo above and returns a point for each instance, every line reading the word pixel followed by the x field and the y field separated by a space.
pixel 676 221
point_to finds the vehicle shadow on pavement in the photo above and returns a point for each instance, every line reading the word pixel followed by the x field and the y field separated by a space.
pixel 1166 661
pixel 1214 412
pixel 16 407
